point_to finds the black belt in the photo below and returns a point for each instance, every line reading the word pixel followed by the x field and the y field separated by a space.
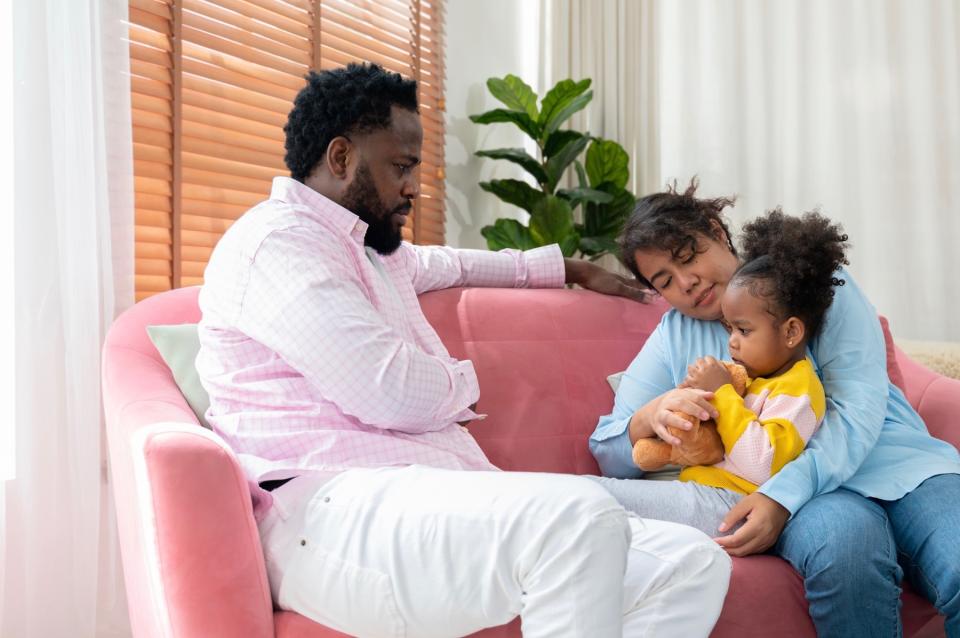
pixel 274 484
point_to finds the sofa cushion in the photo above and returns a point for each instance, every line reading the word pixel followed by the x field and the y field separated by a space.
pixel 178 345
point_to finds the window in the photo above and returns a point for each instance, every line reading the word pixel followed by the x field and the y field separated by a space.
pixel 212 83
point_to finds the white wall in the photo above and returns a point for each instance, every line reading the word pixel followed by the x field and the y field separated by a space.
pixel 485 38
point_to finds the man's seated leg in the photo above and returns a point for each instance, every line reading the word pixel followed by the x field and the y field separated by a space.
pixel 676 581
pixel 442 553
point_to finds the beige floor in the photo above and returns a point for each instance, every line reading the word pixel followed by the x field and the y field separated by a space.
pixel 941 356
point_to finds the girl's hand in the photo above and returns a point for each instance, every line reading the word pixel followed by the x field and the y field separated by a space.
pixel 687 400
pixel 706 373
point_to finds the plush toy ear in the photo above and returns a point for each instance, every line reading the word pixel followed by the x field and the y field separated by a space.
pixel 739 378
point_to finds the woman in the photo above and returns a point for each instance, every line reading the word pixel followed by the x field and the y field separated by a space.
pixel 872 481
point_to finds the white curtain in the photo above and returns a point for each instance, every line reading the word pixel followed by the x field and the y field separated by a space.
pixel 73 228
pixel 852 106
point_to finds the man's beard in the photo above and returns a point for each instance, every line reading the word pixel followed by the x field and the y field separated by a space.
pixel 362 200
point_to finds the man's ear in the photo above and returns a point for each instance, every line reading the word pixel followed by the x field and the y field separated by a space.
pixel 338 156
pixel 793 331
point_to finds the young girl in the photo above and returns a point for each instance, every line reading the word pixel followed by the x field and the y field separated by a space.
pixel 773 305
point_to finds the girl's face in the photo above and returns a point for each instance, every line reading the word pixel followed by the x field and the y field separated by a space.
pixel 693 280
pixel 761 343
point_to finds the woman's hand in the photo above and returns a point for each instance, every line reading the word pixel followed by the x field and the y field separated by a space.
pixel 661 416
pixel 706 373
pixel 593 277
pixel 765 520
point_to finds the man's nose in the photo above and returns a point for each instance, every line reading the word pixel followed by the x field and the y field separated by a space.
pixel 411 186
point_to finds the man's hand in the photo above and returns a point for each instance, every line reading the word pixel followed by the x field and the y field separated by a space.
pixel 593 277
pixel 765 519
pixel 706 373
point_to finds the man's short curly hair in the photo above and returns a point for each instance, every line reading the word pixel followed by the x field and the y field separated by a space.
pixel 352 99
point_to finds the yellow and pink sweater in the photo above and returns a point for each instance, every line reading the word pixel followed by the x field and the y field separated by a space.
pixel 763 430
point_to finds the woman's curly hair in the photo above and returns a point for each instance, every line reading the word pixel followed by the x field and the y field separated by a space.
pixel 792 263
pixel 355 98
pixel 672 221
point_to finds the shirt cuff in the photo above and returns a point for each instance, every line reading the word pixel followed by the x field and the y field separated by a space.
pixel 611 447
pixel 545 267
pixel 790 494
pixel 466 392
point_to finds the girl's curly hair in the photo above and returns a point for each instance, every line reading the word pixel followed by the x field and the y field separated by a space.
pixel 792 263
pixel 354 98
pixel 671 220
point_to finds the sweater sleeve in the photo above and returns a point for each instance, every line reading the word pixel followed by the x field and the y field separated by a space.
pixel 759 444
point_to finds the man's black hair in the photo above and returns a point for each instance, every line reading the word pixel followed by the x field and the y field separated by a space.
pixel 352 99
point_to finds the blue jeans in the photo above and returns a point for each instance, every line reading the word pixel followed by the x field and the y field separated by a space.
pixel 853 552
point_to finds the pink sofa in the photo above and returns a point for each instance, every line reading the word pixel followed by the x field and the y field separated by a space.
pixel 191 556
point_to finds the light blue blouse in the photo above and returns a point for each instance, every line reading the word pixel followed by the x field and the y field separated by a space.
pixel 871 441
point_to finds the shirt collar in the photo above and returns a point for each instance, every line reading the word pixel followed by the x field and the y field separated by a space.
pixel 289 190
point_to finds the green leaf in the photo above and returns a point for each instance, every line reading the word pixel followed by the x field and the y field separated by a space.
pixel 577 195
pixel 507 233
pixel 526 123
pixel 514 191
pixel 557 140
pixel 569 244
pixel 597 246
pixel 551 221
pixel 581 174
pixel 559 162
pixel 518 156
pixel 606 220
pixel 564 115
pixel 515 93
pixel 558 100
pixel 607 162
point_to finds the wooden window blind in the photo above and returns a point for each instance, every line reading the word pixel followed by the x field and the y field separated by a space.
pixel 212 82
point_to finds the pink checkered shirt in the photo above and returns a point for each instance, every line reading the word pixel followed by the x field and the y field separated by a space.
pixel 315 352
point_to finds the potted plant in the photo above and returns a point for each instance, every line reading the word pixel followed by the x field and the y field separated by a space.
pixel 601 177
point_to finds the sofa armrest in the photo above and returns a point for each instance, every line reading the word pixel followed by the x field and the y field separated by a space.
pixel 203 560
pixel 938 406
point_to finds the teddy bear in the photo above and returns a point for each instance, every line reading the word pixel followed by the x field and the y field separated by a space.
pixel 700 445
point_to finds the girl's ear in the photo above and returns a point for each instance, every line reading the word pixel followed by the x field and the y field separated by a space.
pixel 793 331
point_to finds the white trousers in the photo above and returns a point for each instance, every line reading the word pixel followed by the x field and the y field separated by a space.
pixel 424 552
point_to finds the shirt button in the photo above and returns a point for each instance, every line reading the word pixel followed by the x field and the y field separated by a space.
pixel 303 542
pixel 326 499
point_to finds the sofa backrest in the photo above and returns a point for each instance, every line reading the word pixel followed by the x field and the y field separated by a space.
pixel 542 358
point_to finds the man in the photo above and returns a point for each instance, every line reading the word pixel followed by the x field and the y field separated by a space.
pixel 378 513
